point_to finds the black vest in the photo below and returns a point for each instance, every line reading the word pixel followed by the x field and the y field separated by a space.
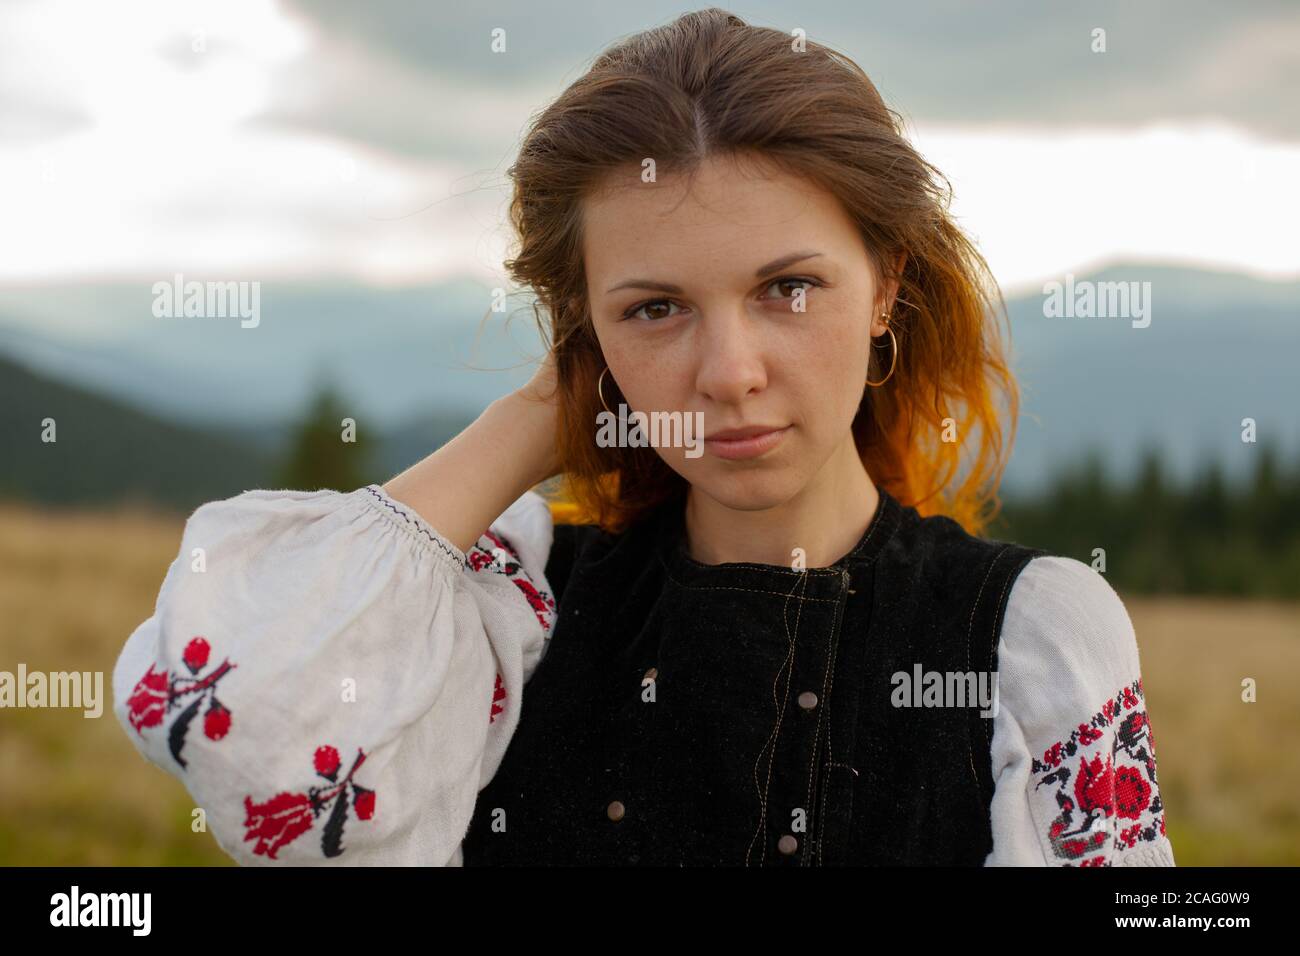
pixel 744 714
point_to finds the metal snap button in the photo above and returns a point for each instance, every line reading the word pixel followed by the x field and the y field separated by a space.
pixel 615 810
pixel 807 700
pixel 787 844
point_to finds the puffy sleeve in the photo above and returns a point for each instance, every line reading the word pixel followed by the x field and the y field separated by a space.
pixel 1073 751
pixel 332 679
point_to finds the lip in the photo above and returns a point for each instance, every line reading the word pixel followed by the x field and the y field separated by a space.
pixel 735 443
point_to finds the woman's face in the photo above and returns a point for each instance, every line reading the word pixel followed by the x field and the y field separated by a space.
pixel 695 295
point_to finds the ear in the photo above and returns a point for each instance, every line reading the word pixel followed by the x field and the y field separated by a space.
pixel 893 285
pixel 890 297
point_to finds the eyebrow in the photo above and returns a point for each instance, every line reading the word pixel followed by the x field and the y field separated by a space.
pixel 776 265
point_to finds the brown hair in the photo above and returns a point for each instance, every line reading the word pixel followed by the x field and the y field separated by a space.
pixel 709 83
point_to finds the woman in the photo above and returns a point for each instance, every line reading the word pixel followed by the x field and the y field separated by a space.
pixel 783 645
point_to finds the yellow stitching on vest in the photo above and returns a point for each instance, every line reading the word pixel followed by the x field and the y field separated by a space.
pixel 824 711
pixel 774 736
pixel 725 587
pixel 970 628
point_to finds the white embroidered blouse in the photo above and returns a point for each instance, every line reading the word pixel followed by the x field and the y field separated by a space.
pixel 334 682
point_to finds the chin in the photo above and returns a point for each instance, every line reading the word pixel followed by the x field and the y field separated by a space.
pixel 746 490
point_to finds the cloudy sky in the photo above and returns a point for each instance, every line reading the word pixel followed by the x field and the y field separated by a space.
pixel 256 139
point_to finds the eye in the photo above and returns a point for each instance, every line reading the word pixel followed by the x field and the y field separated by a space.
pixel 790 280
pixel 662 303
pixel 652 304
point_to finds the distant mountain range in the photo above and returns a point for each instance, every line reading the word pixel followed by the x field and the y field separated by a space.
pixel 104 450
pixel 1219 348
pixel 398 353
pixel 175 408
pixel 107 451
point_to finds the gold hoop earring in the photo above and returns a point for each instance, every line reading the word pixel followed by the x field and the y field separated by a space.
pixel 893 357
pixel 600 388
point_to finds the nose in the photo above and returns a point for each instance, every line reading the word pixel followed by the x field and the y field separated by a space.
pixel 732 362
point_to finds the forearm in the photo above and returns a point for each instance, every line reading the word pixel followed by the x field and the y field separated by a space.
pixel 464 486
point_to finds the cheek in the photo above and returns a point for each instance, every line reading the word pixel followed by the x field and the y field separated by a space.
pixel 648 378
pixel 827 366
pixel 848 333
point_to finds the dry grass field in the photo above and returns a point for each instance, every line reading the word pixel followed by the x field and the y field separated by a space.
pixel 75 791
pixel 1229 771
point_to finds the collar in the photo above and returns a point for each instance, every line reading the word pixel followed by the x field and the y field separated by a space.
pixel 819 583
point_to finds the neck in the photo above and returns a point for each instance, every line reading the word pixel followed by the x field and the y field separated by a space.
pixel 825 519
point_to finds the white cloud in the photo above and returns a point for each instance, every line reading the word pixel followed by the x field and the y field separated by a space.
pixel 1041 204
pixel 196 152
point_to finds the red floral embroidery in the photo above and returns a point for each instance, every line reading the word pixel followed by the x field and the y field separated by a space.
pixel 1097 787
pixel 1129 836
pixel 1132 793
pixel 287 816
pixel 480 558
pixel 1094 786
pixel 542 603
pixel 498 694
pixel 1053 755
pixel 158 693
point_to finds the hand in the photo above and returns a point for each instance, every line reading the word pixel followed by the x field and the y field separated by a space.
pixel 465 485
pixel 543 386
pixel 539 403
